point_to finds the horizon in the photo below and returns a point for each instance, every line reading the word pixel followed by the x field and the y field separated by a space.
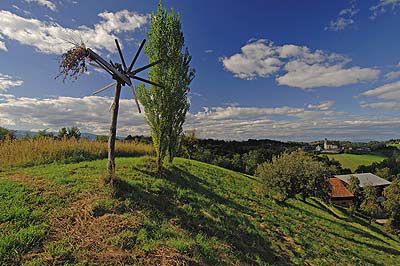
pixel 284 71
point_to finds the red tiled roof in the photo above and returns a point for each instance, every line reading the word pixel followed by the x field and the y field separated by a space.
pixel 339 190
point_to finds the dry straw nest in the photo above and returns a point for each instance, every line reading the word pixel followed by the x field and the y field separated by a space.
pixel 72 63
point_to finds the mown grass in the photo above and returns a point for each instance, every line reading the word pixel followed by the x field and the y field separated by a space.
pixel 353 161
pixel 27 152
pixel 193 213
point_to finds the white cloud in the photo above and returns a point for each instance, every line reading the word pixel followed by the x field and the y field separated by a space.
pixel 381 7
pixel 46 3
pixel 50 37
pixel 390 91
pixel 306 76
pixel 339 24
pixel 3 45
pixel 233 112
pixel 7 82
pixel 344 19
pixel 295 66
pixel 382 105
pixel 258 58
pixel 392 75
pixel 91 114
pixel 322 106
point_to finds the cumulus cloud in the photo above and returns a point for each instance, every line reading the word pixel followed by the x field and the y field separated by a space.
pixel 7 82
pixel 382 6
pixel 234 112
pixel 344 19
pixel 256 59
pixel 390 91
pixel 392 75
pixel 295 66
pixel 46 3
pixel 49 37
pixel 322 106
pixel 305 76
pixel 3 45
pixel 91 114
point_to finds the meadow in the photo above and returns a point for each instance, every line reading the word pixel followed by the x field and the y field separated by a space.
pixel 192 214
pixel 353 161
pixel 35 151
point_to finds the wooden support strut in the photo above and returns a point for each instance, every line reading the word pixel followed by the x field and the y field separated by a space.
pixel 95 57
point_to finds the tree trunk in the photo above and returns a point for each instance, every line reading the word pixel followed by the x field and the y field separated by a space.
pixel 112 136
pixel 159 163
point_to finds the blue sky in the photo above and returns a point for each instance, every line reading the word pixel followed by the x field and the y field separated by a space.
pixel 287 70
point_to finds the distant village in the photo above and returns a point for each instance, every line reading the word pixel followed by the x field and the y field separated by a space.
pixel 334 147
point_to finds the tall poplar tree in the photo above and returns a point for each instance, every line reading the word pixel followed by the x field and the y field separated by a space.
pixel 166 107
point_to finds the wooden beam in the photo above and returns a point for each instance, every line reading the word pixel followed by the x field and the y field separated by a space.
pixel 136 55
pixel 120 54
pixel 140 69
pixel 146 81
pixel 101 61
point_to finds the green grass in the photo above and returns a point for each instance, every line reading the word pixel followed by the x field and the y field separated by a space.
pixel 195 213
pixel 397 145
pixel 353 161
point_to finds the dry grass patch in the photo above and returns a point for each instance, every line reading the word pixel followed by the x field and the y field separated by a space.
pixel 78 234
pixel 25 152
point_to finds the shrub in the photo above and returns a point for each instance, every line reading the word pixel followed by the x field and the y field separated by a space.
pixel 296 173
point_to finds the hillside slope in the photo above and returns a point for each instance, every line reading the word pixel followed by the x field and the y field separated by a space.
pixel 195 214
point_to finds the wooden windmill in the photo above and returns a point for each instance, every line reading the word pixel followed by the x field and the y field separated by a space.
pixel 122 76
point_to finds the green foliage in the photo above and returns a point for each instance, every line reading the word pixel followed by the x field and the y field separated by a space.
pixel 69 132
pixel 370 205
pixel 392 203
pixel 385 173
pixel 189 143
pixel 43 134
pixel 354 188
pixel 101 139
pixel 6 134
pixel 166 107
pixel 296 173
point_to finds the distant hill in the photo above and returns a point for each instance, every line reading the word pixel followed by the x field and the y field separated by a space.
pixel 194 214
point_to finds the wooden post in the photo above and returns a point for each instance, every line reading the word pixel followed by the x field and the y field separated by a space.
pixel 112 136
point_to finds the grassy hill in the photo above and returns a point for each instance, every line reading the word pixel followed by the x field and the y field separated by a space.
pixel 353 161
pixel 194 214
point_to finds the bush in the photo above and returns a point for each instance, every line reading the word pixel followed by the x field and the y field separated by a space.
pixel 296 173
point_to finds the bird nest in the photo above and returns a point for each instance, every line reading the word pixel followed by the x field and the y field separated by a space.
pixel 72 63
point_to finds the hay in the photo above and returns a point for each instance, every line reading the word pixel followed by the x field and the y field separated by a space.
pixel 73 62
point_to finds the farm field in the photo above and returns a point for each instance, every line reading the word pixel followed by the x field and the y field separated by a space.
pixel 194 213
pixel 353 161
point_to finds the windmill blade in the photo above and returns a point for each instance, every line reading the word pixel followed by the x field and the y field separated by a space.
pixel 136 55
pixel 146 81
pixel 120 54
pixel 135 97
pixel 140 69
pixel 104 88
pixel 98 66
